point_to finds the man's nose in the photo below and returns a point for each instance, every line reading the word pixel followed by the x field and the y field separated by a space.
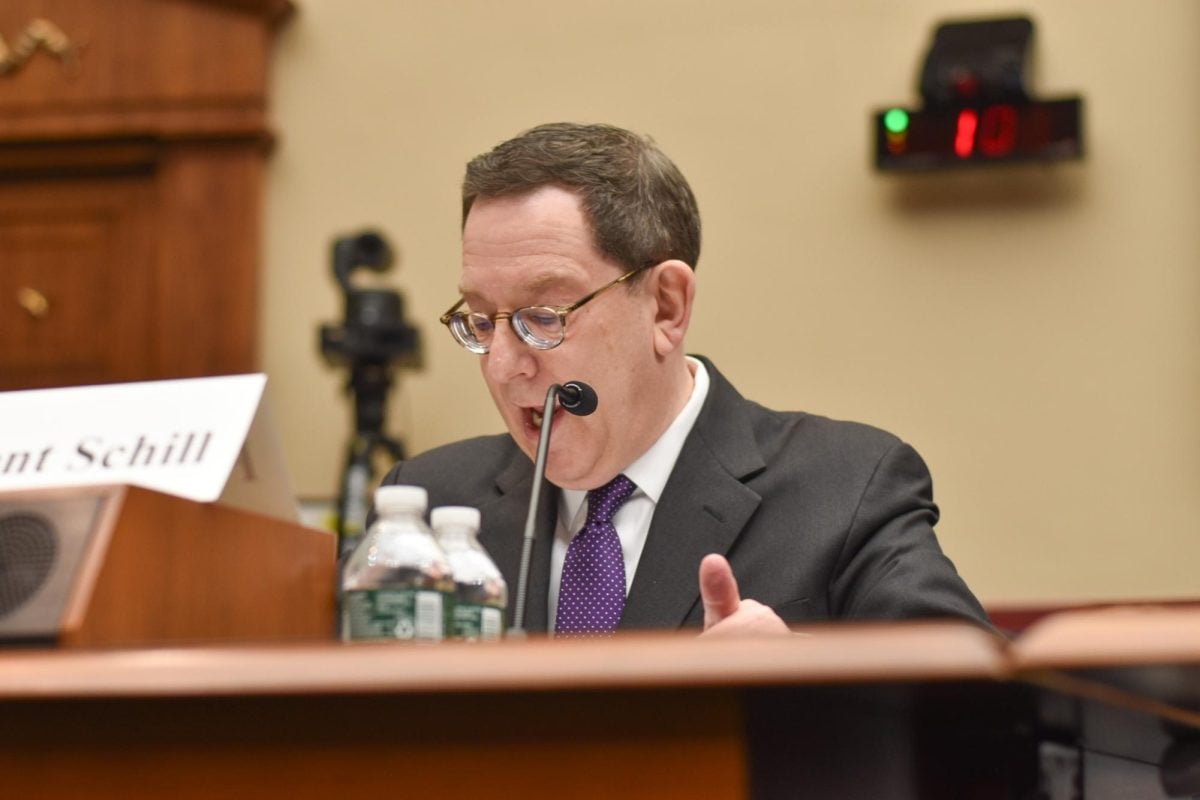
pixel 508 357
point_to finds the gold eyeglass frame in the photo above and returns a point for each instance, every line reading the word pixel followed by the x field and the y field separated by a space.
pixel 561 311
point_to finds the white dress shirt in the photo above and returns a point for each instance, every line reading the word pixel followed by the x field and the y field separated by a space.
pixel 632 520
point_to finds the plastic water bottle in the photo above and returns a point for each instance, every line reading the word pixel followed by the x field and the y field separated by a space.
pixel 481 594
pixel 398 583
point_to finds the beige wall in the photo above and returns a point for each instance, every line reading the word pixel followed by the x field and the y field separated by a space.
pixel 1034 332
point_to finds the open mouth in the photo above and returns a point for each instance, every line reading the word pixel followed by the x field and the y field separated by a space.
pixel 535 415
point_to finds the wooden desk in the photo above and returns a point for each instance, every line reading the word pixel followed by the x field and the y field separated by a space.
pixel 1143 659
pixel 1147 657
pixel 636 716
pixel 935 710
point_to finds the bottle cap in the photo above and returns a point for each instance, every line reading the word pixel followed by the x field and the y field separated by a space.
pixel 391 499
pixel 453 516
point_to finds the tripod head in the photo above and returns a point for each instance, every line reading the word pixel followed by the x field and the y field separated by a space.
pixel 373 330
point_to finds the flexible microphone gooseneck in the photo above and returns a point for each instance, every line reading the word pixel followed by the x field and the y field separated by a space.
pixel 577 398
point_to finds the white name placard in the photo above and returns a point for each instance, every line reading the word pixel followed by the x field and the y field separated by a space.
pixel 206 439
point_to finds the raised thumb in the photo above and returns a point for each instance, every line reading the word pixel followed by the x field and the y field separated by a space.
pixel 718 589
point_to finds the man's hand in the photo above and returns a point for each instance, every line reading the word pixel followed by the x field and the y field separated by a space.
pixel 725 612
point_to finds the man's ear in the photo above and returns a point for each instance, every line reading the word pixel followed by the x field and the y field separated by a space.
pixel 674 286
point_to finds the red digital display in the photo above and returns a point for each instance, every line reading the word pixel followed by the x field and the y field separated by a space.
pixel 964 136
pixel 998 132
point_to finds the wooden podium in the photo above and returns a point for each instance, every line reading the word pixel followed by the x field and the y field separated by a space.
pixel 124 566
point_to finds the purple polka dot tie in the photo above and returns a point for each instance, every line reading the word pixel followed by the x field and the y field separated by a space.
pixel 591 596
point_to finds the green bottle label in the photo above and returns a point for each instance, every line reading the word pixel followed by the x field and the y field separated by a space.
pixel 477 623
pixel 409 614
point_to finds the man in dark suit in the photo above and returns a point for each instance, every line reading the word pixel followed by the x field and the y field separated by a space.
pixel 678 502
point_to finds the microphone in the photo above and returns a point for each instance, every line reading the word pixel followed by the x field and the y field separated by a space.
pixel 577 398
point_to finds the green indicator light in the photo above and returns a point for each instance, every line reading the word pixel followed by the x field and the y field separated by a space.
pixel 896 120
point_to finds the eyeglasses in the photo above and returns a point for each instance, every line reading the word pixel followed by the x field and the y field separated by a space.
pixel 540 327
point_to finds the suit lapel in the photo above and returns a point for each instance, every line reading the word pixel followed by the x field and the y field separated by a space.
pixel 503 532
pixel 704 507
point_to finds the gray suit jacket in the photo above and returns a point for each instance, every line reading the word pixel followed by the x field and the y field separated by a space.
pixel 819 519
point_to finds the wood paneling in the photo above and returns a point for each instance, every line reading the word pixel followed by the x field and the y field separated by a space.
pixel 572 745
pixel 130 190
pixel 85 246
pixel 140 54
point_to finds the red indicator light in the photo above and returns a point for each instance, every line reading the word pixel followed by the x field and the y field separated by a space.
pixel 998 131
pixel 964 137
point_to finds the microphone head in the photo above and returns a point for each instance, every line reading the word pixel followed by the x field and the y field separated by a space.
pixel 578 398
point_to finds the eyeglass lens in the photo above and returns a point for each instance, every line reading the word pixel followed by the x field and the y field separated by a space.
pixel 537 326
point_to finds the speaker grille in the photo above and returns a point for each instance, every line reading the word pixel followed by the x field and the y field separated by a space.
pixel 28 548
